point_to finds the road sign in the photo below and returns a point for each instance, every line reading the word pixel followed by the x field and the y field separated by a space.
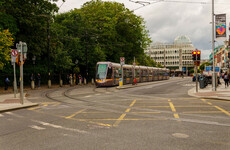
pixel 122 60
pixel 14 54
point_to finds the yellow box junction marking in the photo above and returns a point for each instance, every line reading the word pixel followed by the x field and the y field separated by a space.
pixel 217 107
pixel 78 112
pixel 124 114
pixel 173 109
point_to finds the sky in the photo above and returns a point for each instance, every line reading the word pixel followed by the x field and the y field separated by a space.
pixel 167 19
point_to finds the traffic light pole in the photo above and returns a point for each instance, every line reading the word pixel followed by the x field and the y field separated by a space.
pixel 196 79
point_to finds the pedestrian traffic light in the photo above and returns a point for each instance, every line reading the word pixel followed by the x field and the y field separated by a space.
pixel 194 55
pixel 198 55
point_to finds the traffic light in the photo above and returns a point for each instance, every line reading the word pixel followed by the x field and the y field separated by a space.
pixel 194 55
pixel 198 55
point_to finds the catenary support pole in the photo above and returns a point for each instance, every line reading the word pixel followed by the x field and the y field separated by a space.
pixel 213 48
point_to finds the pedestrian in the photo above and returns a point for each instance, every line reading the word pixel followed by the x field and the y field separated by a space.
pixel 7 82
pixel 32 77
pixel 70 79
pixel 226 79
pixel 39 79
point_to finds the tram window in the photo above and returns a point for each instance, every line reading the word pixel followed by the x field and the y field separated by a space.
pixel 109 73
pixel 101 71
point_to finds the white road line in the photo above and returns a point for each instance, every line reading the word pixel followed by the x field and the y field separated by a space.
pixel 88 96
pixel 15 115
pixel 1 115
pixel 97 94
pixel 37 127
pixel 58 126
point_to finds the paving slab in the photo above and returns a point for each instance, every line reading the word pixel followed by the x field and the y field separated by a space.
pixel 9 103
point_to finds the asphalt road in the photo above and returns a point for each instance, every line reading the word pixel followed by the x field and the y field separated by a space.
pixel 160 116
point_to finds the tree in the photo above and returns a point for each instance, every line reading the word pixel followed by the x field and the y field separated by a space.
pixel 203 65
pixel 102 31
pixel 27 20
pixel 6 41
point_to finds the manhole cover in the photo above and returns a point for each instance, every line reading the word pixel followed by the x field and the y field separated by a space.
pixel 180 135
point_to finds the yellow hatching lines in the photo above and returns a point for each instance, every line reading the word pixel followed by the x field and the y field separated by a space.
pixel 78 112
pixel 173 109
pixel 217 107
pixel 123 115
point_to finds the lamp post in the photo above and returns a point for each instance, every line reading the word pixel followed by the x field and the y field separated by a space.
pixel 213 49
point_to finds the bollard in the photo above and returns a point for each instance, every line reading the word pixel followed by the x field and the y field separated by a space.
pixel 49 83
pixel 71 81
pixel 32 85
pixel 92 81
pixel 85 81
pixel 61 83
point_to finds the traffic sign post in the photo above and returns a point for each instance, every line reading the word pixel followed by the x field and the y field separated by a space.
pixel 22 49
pixel 14 55
pixel 122 62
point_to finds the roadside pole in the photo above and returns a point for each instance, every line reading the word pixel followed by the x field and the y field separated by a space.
pixel 14 56
pixel 134 64
pixel 21 75
pixel 213 49
pixel 196 78
pixel 22 49
pixel 122 62
pixel 15 84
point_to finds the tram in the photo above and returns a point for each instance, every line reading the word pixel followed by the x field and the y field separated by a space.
pixel 109 73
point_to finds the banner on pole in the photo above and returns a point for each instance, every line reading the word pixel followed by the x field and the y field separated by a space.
pixel 221 27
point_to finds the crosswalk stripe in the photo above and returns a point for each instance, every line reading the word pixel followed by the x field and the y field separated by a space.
pixel 1 115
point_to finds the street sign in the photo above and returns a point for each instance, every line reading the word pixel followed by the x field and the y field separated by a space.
pixel 14 54
pixel 122 60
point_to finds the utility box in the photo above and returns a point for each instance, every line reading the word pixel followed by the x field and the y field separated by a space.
pixel 202 82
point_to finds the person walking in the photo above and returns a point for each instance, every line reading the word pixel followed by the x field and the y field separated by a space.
pixel 226 79
pixel 70 79
pixel 39 79
pixel 7 82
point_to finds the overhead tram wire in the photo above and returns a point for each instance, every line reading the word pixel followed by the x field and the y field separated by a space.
pixel 150 2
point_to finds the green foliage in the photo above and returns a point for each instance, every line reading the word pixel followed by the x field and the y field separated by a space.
pixel 159 65
pixel 99 31
pixel 202 66
pixel 6 41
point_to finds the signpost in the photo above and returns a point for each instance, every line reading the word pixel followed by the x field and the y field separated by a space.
pixel 14 55
pixel 22 48
pixel 122 62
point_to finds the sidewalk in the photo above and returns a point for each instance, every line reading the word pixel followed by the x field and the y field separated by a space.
pixel 221 92
pixel 8 102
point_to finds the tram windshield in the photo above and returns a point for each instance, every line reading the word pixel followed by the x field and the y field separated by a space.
pixel 101 71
